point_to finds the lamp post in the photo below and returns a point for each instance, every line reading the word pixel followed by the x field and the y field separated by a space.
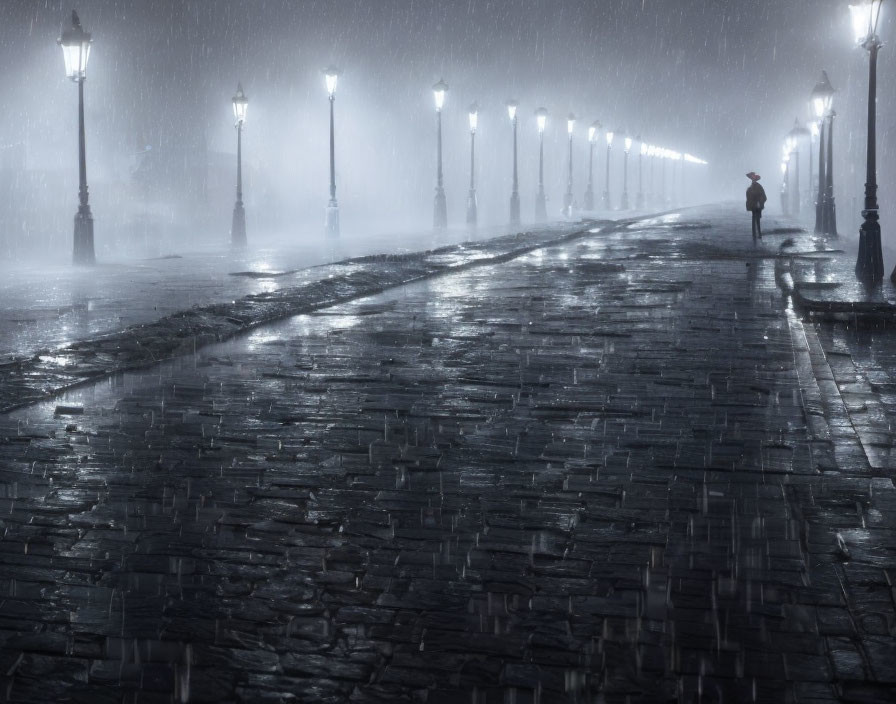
pixel 794 137
pixel 512 106
pixel 785 185
pixel 589 192
pixel 331 75
pixel 75 43
pixel 869 264
pixel 628 147
pixel 642 150
pixel 440 211
pixel 813 135
pixel 541 211
pixel 238 224
pixel 661 155
pixel 651 155
pixel 567 198
pixel 471 197
pixel 607 205
pixel 821 98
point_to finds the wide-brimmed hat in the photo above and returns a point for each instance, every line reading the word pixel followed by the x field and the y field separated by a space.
pixel 753 176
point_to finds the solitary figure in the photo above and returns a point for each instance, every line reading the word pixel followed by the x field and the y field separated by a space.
pixel 755 202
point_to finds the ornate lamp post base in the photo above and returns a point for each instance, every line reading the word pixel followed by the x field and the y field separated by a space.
pixel 541 210
pixel 238 227
pixel 440 211
pixel 82 252
pixel 589 199
pixel 869 264
pixel 472 215
pixel 607 204
pixel 332 221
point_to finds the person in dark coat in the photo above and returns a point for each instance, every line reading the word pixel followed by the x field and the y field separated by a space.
pixel 755 202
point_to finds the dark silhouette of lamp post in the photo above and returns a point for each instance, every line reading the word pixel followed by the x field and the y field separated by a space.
pixel 331 76
pixel 869 264
pixel 589 191
pixel 512 107
pixel 440 210
pixel 642 151
pixel 822 100
pixel 471 197
pixel 75 43
pixel 627 142
pixel 541 211
pixel 238 223
pixel 607 205
pixel 567 197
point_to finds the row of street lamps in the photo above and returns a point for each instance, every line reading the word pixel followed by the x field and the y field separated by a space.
pixel 869 263
pixel 75 43
pixel 440 217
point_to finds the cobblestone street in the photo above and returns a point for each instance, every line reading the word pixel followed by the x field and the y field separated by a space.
pixel 616 469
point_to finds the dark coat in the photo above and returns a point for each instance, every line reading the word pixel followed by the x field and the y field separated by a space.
pixel 756 196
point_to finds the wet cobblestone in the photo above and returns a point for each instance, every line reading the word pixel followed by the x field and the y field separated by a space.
pixel 618 469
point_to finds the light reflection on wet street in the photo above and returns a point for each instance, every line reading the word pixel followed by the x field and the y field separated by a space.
pixel 602 471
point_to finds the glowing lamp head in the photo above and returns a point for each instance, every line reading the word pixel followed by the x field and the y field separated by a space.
pixel 438 92
pixel 570 123
pixel 331 75
pixel 474 117
pixel 512 105
pixel 75 43
pixel 783 167
pixel 822 96
pixel 593 130
pixel 813 128
pixel 865 16
pixel 240 105
pixel 541 118
pixel 609 136
pixel 651 150
pixel 628 144
pixel 644 149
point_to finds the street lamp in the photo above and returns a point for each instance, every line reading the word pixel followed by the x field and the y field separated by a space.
pixel 589 192
pixel 512 106
pixel 567 198
pixel 331 76
pixel 471 197
pixel 822 101
pixel 440 211
pixel 869 265
pixel 75 43
pixel 651 156
pixel 813 136
pixel 238 224
pixel 793 137
pixel 541 211
pixel 785 185
pixel 628 147
pixel 642 151
pixel 609 136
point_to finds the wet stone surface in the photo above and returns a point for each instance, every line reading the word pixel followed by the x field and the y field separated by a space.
pixel 609 470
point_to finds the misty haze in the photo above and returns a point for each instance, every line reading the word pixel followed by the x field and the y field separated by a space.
pixel 425 351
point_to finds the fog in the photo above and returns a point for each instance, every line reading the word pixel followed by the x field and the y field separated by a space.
pixel 720 80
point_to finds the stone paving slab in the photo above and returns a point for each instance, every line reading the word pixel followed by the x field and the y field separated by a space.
pixel 25 379
pixel 614 469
